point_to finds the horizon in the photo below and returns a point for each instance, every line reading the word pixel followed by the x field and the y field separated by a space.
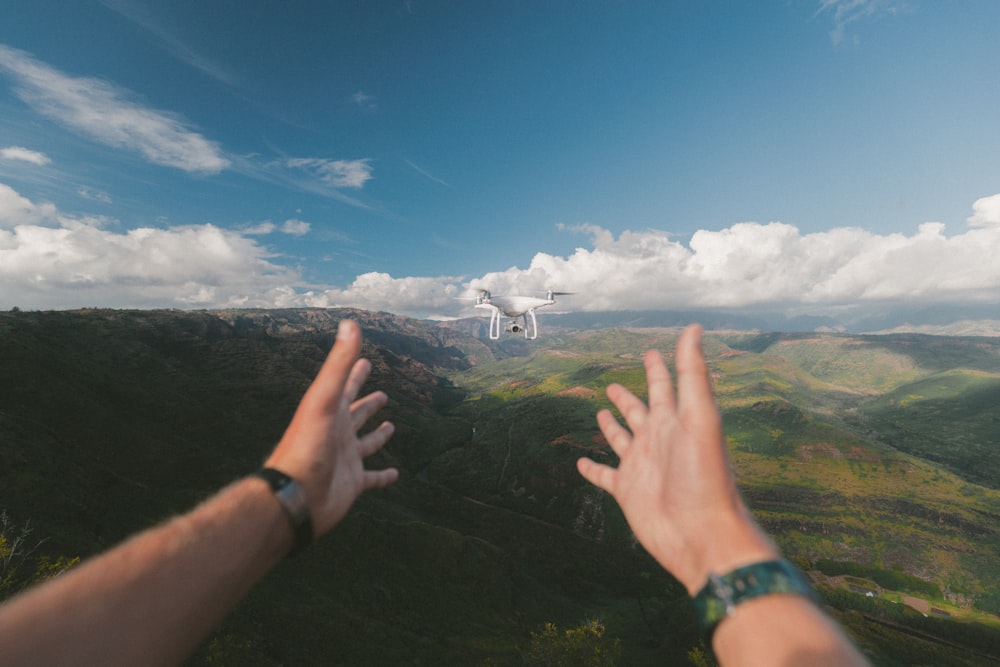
pixel 821 158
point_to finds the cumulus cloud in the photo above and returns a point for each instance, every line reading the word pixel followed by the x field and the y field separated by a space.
pixel 104 113
pixel 985 212
pixel 24 155
pixel 774 265
pixel 338 173
pixel 380 291
pixel 50 260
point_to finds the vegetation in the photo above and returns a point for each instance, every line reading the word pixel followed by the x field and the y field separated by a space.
pixel 868 458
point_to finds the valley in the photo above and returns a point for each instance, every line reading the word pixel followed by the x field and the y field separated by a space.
pixel 874 460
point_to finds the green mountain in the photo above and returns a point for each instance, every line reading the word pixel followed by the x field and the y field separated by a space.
pixel 871 459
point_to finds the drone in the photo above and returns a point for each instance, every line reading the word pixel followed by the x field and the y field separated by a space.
pixel 514 307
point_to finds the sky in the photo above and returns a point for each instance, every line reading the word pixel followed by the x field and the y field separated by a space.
pixel 802 156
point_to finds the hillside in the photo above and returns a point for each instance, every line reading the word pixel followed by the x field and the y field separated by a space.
pixel 112 420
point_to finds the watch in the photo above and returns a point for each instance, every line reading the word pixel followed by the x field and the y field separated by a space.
pixel 293 501
pixel 722 593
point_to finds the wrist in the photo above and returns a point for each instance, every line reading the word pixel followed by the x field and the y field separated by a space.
pixel 294 504
pixel 724 546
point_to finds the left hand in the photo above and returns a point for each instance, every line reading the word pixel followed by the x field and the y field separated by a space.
pixel 321 448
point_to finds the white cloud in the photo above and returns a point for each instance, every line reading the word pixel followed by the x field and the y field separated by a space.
pixel 104 113
pixel 50 260
pixel 94 195
pixel 24 155
pixel 985 212
pixel 294 227
pixel 380 291
pixel 338 173
pixel 846 12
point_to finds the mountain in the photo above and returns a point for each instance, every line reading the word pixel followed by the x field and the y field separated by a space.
pixel 870 458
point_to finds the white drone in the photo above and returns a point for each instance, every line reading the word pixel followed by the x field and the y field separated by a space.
pixel 514 307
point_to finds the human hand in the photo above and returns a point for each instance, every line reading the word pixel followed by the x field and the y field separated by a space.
pixel 673 481
pixel 321 448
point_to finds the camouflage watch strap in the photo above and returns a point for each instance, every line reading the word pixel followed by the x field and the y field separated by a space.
pixel 722 593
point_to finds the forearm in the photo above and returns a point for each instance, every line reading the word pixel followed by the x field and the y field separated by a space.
pixel 152 599
pixel 783 630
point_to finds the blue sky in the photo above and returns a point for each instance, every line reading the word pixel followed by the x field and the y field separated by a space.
pixel 804 155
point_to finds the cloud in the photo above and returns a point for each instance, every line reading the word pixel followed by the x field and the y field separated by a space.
pixel 985 212
pixel 94 195
pixel 24 155
pixel 338 173
pixel 50 260
pixel 364 101
pixel 426 174
pixel 173 44
pixel 380 291
pixel 103 112
pixel 292 227
pixel 846 12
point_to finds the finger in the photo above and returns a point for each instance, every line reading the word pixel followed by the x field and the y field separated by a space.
pixel 661 389
pixel 370 443
pixel 598 474
pixel 359 374
pixel 617 436
pixel 694 385
pixel 328 387
pixel 363 408
pixel 379 479
pixel 632 408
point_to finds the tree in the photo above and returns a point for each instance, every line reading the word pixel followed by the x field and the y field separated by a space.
pixel 19 565
pixel 583 646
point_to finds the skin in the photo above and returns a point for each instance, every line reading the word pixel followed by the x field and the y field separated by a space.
pixel 675 486
pixel 151 600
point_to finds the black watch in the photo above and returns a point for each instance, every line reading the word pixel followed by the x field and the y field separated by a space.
pixel 293 501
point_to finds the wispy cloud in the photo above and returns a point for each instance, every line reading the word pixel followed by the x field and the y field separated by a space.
pixel 426 174
pixel 364 101
pixel 846 12
pixel 24 155
pixel 174 45
pixel 338 173
pixel 103 112
pixel 94 195
pixel 292 227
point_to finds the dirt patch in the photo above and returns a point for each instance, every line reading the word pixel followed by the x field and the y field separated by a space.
pixel 819 450
pixel 578 391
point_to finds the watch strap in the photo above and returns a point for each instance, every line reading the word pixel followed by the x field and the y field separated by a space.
pixel 723 593
pixel 293 501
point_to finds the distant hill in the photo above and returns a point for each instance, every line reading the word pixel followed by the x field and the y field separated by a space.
pixel 868 457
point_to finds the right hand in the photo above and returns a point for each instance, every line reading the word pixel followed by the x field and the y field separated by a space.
pixel 673 481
